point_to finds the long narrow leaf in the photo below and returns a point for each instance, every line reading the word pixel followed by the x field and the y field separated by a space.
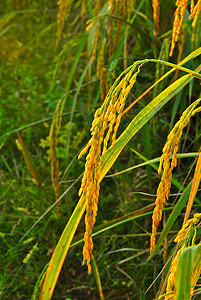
pixel 184 270
pixel 29 161
pixel 152 161
pixel 97 277
pixel 74 104
pixel 60 252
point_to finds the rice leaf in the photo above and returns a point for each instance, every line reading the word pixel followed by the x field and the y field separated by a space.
pixel 188 257
pixel 97 277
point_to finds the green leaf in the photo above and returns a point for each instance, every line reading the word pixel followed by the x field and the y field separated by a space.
pixel 85 113
pixel 152 162
pixel 97 277
pixel 74 104
pixel 184 270
pixel 60 252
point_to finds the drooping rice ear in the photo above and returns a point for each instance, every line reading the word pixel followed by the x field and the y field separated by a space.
pixel 104 128
pixel 156 15
pixel 178 20
pixel 170 148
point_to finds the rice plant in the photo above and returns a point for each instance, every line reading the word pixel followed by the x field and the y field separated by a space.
pixel 124 93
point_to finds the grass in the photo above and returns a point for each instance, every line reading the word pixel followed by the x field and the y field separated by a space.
pixel 97 42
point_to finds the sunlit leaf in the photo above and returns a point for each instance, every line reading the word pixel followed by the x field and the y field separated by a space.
pixel 188 256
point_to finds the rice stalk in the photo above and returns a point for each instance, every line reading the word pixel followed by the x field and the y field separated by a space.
pixel 28 160
pixel 122 14
pixel 97 7
pixel 53 140
pixel 103 30
pixel 64 9
pixel 104 128
pixel 101 70
pixel 195 53
pixel 110 30
pixel 83 9
pixel 195 10
pixel 118 11
pixel 192 6
pixel 95 41
pixel 195 34
pixel 161 68
pixel 179 16
pixel 181 47
pixel 107 161
pixel 170 148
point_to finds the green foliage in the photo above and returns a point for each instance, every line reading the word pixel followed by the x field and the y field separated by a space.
pixel 34 75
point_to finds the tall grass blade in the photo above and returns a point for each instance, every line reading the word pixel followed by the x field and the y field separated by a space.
pixel 60 252
pixel 28 160
pixel 85 113
pixel 38 286
pixel 73 105
pixel 80 49
pixel 97 277
pixel 151 162
pixel 175 108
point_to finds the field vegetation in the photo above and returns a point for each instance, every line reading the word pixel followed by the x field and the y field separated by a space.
pixel 100 149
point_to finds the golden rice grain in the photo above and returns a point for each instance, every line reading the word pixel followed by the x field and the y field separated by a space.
pixel 179 16
pixel 170 148
pixel 156 13
pixel 106 122
pixel 195 10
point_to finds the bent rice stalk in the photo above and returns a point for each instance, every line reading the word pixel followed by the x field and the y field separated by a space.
pixel 104 128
